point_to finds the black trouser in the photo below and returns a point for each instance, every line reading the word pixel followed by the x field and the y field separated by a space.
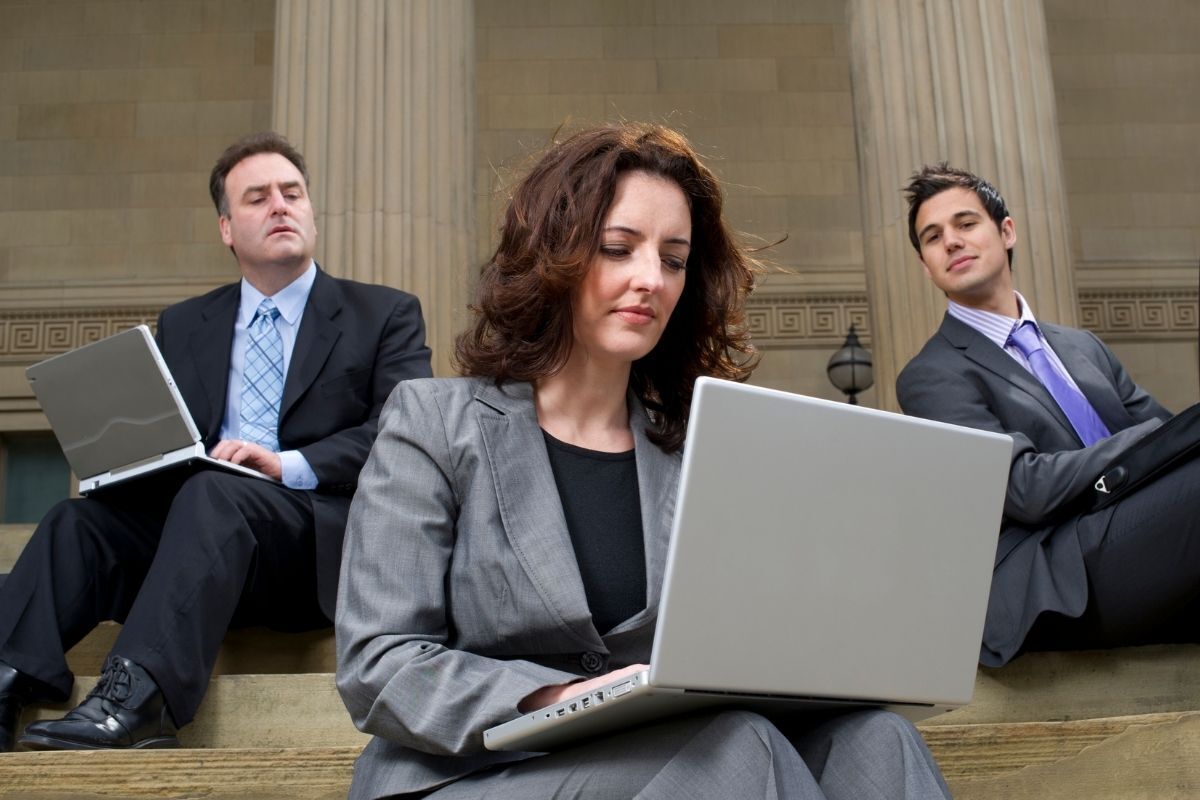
pixel 1143 571
pixel 178 565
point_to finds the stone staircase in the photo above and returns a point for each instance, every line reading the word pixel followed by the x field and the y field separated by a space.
pixel 1104 724
pixel 1098 724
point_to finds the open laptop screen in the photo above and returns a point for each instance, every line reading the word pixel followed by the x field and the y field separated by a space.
pixel 111 403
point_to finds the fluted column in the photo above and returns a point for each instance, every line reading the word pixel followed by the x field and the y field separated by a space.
pixel 965 81
pixel 379 95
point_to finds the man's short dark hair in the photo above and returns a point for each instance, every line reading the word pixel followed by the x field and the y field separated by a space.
pixel 933 180
pixel 252 145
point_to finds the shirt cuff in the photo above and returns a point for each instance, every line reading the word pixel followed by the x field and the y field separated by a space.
pixel 297 474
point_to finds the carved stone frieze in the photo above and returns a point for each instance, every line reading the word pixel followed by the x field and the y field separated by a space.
pixel 817 320
pixel 30 336
pixel 1140 314
pixel 807 320
pixel 811 319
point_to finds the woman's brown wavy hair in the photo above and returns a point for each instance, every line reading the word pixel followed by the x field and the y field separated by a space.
pixel 550 235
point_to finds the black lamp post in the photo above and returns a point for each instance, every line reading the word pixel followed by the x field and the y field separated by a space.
pixel 850 369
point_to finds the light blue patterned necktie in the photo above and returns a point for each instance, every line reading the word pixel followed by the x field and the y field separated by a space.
pixel 262 379
pixel 1079 411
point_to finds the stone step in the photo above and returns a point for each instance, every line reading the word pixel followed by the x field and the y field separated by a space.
pixel 305 709
pixel 1037 687
pixel 244 651
pixel 242 711
pixel 1113 758
pixel 1085 684
pixel 298 773
pixel 247 710
pixel 12 542
pixel 1149 755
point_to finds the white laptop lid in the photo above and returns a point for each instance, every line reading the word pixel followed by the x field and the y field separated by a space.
pixel 828 550
pixel 112 403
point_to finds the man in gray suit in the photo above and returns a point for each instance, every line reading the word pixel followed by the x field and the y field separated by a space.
pixel 1065 576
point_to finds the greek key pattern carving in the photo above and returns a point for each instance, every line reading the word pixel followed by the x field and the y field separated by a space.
pixel 1150 314
pixel 30 336
pixel 791 320
pixel 807 319
pixel 817 320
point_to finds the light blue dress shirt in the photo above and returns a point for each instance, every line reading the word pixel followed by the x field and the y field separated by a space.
pixel 297 474
pixel 997 327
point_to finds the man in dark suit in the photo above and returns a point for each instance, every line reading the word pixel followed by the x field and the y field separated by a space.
pixel 284 372
pixel 1065 576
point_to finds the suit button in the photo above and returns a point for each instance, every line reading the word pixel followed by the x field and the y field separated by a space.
pixel 591 662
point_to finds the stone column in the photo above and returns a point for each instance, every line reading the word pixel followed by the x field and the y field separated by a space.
pixel 379 95
pixel 965 81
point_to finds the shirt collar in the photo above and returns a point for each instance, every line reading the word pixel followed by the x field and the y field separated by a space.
pixel 996 327
pixel 290 300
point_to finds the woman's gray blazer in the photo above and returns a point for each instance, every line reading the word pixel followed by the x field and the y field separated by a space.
pixel 459 592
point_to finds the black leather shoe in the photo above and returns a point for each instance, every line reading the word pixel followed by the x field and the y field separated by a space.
pixel 125 710
pixel 15 691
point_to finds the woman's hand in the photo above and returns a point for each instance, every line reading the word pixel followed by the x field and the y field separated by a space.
pixel 549 695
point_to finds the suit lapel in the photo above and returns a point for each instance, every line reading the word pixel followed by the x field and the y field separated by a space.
pixel 530 507
pixel 985 353
pixel 210 344
pixel 532 511
pixel 314 342
pixel 1096 387
pixel 658 483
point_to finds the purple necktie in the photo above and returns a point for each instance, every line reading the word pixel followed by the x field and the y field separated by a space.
pixel 1077 408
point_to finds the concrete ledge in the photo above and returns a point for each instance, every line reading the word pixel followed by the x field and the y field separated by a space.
pixel 301 773
pixel 242 711
pixel 300 710
pixel 1037 687
pixel 12 542
pixel 1060 686
pixel 1150 755
pixel 1115 758
pixel 244 651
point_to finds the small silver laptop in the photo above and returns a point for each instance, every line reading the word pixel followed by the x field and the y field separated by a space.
pixel 822 556
pixel 117 413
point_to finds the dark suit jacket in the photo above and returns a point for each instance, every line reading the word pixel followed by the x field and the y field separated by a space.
pixel 962 377
pixel 460 592
pixel 356 342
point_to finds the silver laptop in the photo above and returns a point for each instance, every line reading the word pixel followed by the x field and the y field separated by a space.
pixel 823 556
pixel 117 412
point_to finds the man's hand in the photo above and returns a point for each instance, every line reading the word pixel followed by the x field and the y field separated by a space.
pixel 248 454
pixel 549 695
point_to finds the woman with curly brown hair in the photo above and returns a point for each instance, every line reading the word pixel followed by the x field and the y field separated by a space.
pixel 506 545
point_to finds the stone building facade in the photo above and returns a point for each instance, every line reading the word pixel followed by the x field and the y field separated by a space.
pixel 416 115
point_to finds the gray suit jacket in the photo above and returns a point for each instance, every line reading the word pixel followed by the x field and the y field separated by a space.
pixel 460 592
pixel 962 377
